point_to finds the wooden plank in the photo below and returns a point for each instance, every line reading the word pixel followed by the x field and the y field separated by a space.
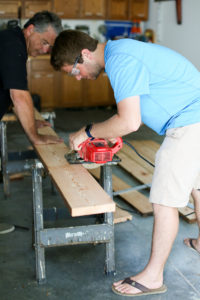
pixel 121 215
pixel 133 156
pixel 187 214
pixel 81 193
pixel 9 118
pixel 134 198
pixel 146 148
pixel 135 168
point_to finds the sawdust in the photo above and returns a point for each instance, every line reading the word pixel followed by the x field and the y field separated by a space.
pixel 91 165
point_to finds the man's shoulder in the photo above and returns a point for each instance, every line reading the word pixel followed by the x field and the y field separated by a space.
pixel 12 42
pixel 12 35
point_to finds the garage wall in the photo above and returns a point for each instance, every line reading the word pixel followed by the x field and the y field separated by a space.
pixel 184 38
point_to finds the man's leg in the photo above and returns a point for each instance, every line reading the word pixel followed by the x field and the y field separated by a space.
pixel 195 241
pixel 166 222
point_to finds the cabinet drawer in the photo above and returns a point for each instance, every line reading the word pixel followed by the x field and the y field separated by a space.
pixel 9 9
pixel 31 7
pixel 41 65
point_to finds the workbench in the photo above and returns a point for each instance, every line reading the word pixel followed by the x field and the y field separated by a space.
pixel 81 194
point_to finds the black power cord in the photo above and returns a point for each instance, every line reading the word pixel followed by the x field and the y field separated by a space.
pixel 142 157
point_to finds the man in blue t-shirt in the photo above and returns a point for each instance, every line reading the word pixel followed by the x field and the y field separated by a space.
pixel 159 87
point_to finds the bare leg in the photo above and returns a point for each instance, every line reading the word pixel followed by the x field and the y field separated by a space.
pixel 195 242
pixel 166 222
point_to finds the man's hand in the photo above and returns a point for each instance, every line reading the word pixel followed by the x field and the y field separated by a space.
pixel 42 123
pixel 47 139
pixel 77 138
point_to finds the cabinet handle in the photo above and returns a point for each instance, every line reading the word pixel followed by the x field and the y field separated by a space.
pixel 37 75
pixel 87 13
pixel 31 12
pixel 60 13
pixel 2 12
pixel 49 75
pixel 99 14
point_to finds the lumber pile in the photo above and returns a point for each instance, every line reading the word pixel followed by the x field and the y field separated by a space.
pixel 142 171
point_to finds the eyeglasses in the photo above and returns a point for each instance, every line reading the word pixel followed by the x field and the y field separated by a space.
pixel 75 71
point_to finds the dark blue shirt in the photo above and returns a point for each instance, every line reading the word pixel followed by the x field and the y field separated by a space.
pixel 13 58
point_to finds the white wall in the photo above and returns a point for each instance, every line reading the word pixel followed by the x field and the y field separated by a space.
pixel 184 38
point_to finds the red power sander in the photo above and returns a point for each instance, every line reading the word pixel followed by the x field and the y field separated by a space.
pixel 94 151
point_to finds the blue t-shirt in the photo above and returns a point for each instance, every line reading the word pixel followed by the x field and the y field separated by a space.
pixel 167 83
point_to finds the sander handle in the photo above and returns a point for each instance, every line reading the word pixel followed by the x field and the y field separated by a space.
pixel 118 145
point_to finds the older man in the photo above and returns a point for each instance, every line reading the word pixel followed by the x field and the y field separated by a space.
pixel 16 44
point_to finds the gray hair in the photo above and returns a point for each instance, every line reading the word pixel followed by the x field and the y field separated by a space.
pixel 42 20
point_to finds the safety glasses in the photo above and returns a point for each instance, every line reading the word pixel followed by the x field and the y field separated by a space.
pixel 75 71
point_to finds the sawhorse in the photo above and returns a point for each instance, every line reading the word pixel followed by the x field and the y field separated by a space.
pixel 15 162
pixel 52 237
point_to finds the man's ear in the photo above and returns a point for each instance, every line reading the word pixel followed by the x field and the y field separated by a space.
pixel 30 29
pixel 86 54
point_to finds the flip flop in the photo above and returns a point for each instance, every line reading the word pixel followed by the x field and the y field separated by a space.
pixel 192 246
pixel 144 290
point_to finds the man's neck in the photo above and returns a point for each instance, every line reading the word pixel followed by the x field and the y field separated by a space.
pixel 99 53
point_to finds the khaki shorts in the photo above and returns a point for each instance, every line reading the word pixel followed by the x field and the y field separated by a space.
pixel 177 167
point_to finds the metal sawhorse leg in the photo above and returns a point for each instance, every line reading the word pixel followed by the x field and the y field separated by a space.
pixel 4 159
pixel 106 182
pixel 9 168
pixel 52 237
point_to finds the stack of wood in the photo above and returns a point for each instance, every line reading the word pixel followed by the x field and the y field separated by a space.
pixel 143 172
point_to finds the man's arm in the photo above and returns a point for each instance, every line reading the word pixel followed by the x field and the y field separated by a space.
pixel 25 112
pixel 127 120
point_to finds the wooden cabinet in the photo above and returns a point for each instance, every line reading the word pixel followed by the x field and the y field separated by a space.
pixel 127 9
pixel 76 9
pixel 98 92
pixel 84 93
pixel 67 9
pixel 70 92
pixel 138 9
pixel 93 9
pixel 10 9
pixel 42 80
pixel 85 9
pixel 30 7
pixel 117 9
pixel 57 89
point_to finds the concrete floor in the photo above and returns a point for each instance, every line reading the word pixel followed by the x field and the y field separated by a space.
pixel 77 272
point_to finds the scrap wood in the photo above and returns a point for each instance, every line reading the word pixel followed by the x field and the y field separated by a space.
pixel 121 215
pixel 135 168
pixel 134 198
pixel 9 117
pixel 188 214
pixel 16 176
pixel 132 155
pixel 143 172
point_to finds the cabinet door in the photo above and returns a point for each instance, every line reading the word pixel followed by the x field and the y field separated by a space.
pixel 70 92
pixel 93 9
pixel 31 7
pixel 42 81
pixel 98 92
pixel 117 9
pixel 139 9
pixel 9 9
pixel 67 8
